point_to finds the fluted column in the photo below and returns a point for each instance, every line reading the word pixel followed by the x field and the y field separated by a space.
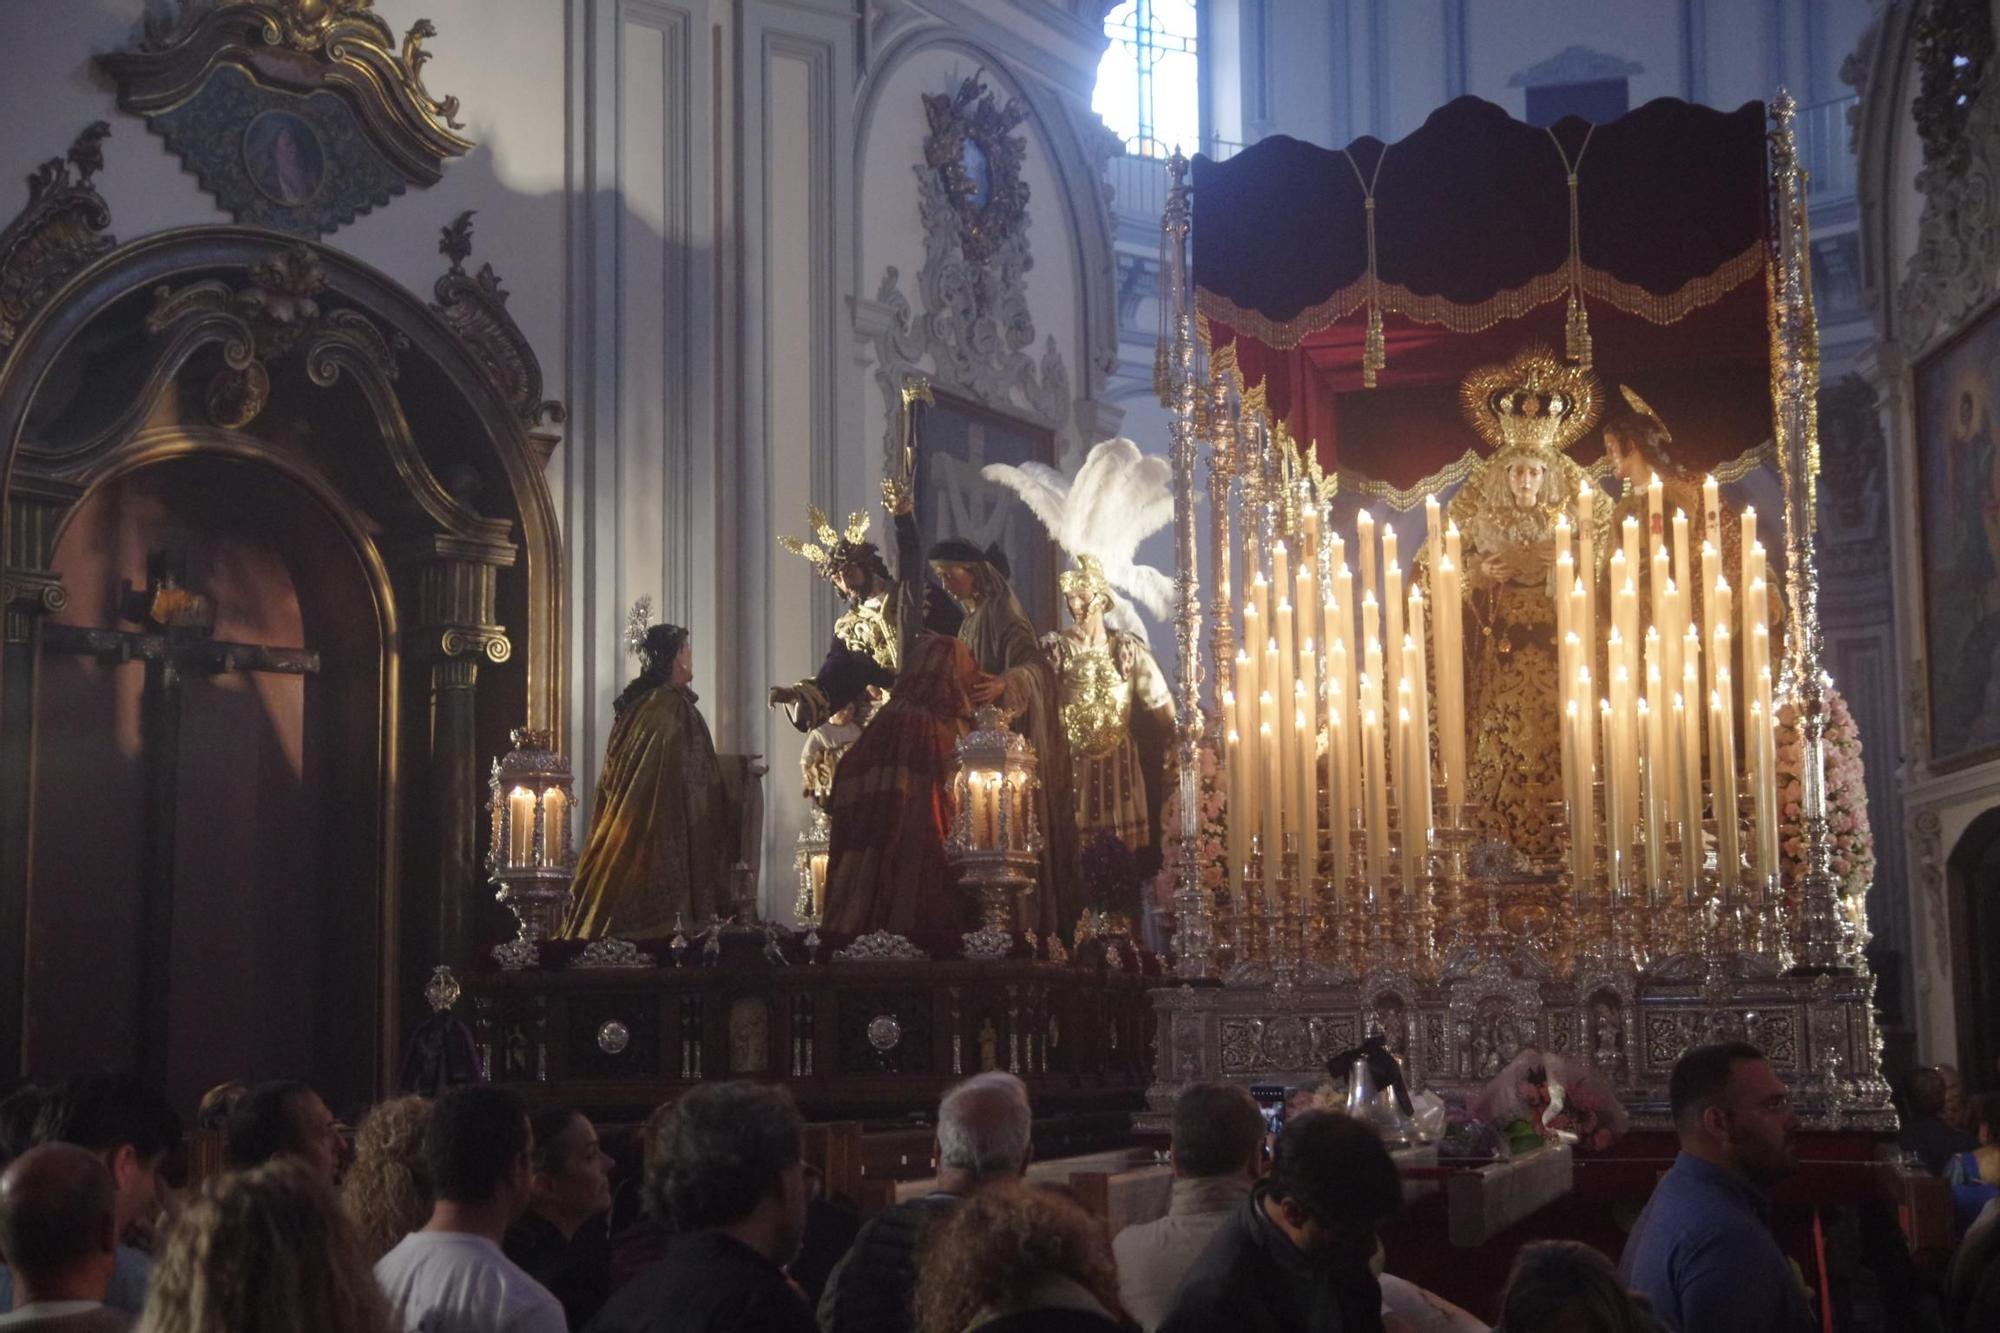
pixel 456 633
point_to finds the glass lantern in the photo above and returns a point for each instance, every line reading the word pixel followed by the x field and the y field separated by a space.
pixel 815 841
pixel 532 857
pixel 996 842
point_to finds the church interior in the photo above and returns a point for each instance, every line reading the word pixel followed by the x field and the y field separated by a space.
pixel 1393 557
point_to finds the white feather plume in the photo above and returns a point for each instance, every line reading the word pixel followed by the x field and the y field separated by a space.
pixel 1118 498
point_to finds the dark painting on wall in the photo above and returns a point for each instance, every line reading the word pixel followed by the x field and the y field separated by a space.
pixel 956 438
pixel 1957 391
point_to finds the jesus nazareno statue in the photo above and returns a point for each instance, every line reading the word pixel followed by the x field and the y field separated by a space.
pixel 663 834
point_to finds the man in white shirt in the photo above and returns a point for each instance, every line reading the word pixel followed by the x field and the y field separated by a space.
pixel 451 1277
pixel 59 1232
pixel 1218 1150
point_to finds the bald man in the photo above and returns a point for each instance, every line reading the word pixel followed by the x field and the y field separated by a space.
pixel 59 1234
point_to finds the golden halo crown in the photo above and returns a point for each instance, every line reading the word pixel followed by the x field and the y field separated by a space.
pixel 828 548
pixel 1534 401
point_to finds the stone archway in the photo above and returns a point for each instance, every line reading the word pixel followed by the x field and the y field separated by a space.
pixel 410 431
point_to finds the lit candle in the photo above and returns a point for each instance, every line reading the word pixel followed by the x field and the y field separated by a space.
pixel 1340 749
pixel 1653 731
pixel 1722 766
pixel 1583 833
pixel 520 827
pixel 1586 566
pixel 1249 681
pixel 555 826
pixel 1376 784
pixel 1455 615
pixel 1711 512
pixel 1572 769
pixel 1691 767
pixel 1286 683
pixel 1682 572
pixel 1615 837
pixel 1451 682
pixel 1392 644
pixel 1690 799
pixel 1339 789
pixel 1307 754
pixel 1364 541
pixel 1656 501
pixel 1415 656
pixel 1274 780
pixel 1721 655
pixel 1411 845
pixel 1628 533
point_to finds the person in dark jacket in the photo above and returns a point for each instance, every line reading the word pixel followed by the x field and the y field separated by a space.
pixel 1296 1257
pixel 983 1139
pixel 1926 1131
pixel 731 1181
pixel 563 1241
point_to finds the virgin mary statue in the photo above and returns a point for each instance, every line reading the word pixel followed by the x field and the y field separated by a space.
pixel 663 830
pixel 1531 408
pixel 1004 644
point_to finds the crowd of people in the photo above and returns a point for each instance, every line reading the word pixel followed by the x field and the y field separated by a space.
pixel 468 1213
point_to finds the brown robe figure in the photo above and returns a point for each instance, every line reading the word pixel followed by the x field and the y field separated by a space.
pixel 892 805
pixel 664 831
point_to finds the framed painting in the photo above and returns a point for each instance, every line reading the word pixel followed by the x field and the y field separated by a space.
pixel 1957 388
pixel 956 438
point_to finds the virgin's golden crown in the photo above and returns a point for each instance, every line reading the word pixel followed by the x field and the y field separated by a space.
pixel 1535 401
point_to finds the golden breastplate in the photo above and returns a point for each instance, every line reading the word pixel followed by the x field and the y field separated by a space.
pixel 1097 703
pixel 865 628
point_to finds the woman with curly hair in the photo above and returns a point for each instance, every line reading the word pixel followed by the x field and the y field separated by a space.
pixel 1015 1258
pixel 387 1192
pixel 263 1249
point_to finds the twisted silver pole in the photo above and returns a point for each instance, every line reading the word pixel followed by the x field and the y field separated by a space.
pixel 1194 937
pixel 1795 391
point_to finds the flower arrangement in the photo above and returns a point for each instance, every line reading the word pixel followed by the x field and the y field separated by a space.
pixel 1211 841
pixel 1846 804
pixel 1542 1099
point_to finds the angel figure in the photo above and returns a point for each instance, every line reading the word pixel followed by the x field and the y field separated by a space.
pixel 1117 711
pixel 1118 715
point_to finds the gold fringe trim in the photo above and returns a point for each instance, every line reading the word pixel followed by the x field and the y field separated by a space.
pixel 1254 400
pixel 1514 303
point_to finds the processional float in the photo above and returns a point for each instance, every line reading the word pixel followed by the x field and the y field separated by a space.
pixel 1333 316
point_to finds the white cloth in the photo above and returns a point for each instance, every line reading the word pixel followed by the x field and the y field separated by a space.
pixel 47 1310
pixel 1408 1308
pixel 452 1282
pixel 1154 1256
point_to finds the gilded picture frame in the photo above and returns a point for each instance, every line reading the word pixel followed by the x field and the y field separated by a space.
pixel 1956 399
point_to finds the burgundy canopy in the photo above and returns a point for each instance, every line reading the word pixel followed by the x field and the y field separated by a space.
pixel 1474 261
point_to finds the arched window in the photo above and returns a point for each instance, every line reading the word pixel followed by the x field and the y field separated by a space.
pixel 1148 91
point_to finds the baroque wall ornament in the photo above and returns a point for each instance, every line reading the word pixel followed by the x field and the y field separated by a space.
pixel 1957 259
pixel 298 115
pixel 60 231
pixel 975 336
pixel 474 305
pixel 266 319
pixel 1954 50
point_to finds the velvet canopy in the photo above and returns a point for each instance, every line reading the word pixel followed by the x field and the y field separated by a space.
pixel 1473 261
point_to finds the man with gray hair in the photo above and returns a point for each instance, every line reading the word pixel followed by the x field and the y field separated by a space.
pixel 59 1233
pixel 983 1139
